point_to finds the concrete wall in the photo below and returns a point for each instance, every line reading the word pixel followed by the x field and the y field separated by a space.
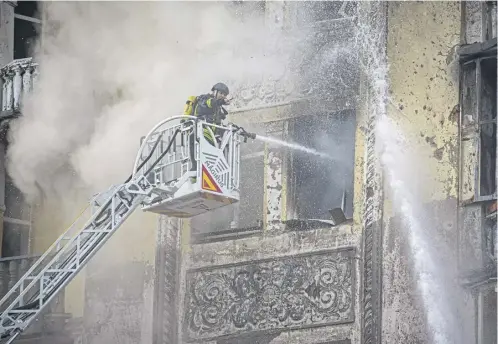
pixel 244 276
pixel 423 103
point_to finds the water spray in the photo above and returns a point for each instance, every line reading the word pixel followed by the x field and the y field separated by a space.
pixel 273 140
pixel 294 146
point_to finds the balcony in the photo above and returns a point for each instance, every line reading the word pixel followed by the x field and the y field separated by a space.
pixel 12 269
pixel 18 78
pixel 52 328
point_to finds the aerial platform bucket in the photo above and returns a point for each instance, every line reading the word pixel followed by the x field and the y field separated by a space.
pixel 185 187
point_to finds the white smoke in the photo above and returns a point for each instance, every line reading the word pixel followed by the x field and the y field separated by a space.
pixel 110 70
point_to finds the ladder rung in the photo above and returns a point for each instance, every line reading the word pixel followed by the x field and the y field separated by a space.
pixel 74 254
pixel 60 270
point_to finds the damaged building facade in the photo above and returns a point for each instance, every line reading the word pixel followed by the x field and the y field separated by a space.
pixel 317 250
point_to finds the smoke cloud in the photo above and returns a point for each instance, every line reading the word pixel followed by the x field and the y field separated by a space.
pixel 109 71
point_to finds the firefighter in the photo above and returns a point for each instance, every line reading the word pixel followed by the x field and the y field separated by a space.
pixel 208 107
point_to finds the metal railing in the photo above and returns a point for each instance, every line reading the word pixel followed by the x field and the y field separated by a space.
pixel 174 163
pixel 18 78
pixel 191 133
pixel 12 269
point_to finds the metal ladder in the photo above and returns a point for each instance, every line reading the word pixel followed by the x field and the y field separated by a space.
pixel 62 262
pixel 78 244
pixel 73 249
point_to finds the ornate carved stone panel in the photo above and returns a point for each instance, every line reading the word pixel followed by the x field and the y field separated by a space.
pixel 291 292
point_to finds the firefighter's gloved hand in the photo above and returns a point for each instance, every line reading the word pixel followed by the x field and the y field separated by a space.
pixel 223 102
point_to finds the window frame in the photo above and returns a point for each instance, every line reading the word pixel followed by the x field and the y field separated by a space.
pixel 477 58
pixel 38 22
pixel 480 123
pixel 488 287
pixel 292 205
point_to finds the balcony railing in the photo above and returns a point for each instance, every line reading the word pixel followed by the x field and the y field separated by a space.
pixel 12 269
pixel 18 78
pixel 53 319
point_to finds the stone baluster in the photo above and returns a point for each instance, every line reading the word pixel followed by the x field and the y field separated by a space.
pixel 4 91
pixel 17 87
pixel 8 95
pixel 24 267
pixel 13 271
pixel 3 279
pixel 26 81
pixel 19 78
pixel 34 77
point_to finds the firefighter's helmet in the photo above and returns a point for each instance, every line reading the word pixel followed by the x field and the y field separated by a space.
pixel 221 87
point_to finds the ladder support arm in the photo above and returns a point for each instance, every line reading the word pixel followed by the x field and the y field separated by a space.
pixel 41 283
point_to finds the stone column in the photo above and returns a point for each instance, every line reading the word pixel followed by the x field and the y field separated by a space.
pixel 6 32
pixel 165 324
pixel 274 161
pixel 2 190
pixel 372 37
pixel 6 37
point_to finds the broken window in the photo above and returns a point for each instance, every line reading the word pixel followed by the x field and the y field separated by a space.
pixel 479 114
pixel 27 9
pixel 487 128
pixel 317 184
pixel 27 27
pixel 486 315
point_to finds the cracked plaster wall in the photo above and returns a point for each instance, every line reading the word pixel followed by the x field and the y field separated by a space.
pixel 423 74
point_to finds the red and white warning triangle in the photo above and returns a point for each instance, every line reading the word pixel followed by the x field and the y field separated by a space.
pixel 208 182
